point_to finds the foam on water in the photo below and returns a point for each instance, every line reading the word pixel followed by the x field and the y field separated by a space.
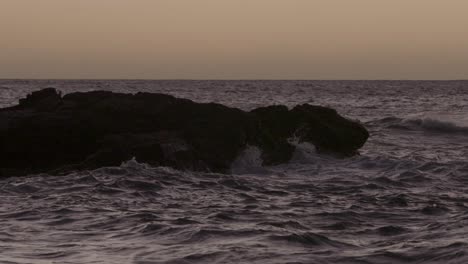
pixel 403 200
pixel 249 161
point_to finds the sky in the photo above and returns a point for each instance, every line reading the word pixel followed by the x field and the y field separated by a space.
pixel 234 39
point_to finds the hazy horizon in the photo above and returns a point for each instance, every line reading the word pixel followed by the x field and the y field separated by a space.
pixel 234 40
pixel 240 79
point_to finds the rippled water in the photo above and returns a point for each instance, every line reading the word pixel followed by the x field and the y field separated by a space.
pixel 403 200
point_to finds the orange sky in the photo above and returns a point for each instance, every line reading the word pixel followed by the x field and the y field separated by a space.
pixel 234 39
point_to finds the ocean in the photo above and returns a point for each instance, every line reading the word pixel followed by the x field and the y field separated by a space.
pixel 404 199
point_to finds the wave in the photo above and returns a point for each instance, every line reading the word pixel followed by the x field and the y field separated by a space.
pixel 310 239
pixel 330 214
pixel 430 124
pixel 249 161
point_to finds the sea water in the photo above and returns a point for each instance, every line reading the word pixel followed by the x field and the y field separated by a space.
pixel 404 199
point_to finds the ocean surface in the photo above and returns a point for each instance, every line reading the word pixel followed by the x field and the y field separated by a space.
pixel 403 200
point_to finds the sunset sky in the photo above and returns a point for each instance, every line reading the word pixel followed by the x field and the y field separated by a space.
pixel 234 39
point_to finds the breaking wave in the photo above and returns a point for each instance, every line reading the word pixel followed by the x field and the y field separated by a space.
pixel 430 124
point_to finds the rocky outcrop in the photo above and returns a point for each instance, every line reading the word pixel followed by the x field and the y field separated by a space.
pixel 47 132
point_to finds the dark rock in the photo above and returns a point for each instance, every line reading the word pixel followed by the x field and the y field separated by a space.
pixel 50 133
pixel 329 131
pixel 43 100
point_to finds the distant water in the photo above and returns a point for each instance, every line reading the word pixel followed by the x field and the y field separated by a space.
pixel 403 200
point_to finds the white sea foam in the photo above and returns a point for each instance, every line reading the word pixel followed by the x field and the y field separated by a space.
pixel 249 161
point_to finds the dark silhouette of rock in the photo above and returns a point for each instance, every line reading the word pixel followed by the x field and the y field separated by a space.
pixel 46 132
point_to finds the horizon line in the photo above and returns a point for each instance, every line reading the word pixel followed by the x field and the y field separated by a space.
pixel 201 79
